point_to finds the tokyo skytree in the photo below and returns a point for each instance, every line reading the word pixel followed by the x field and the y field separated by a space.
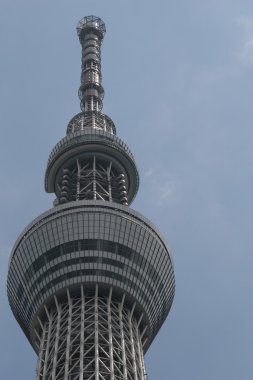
pixel 91 281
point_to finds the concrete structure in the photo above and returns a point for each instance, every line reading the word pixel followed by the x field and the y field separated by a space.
pixel 91 281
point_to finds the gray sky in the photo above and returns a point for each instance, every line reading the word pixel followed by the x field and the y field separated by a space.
pixel 178 77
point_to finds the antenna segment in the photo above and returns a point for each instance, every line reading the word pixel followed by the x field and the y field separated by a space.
pixel 91 31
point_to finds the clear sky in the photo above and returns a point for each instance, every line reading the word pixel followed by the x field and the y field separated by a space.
pixel 178 77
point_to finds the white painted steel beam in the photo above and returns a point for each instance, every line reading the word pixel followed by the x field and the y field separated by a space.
pixel 90 337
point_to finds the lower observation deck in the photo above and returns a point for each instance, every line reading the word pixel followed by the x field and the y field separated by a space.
pixel 91 243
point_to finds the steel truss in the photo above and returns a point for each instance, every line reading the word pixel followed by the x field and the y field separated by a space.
pixel 90 337
pixel 91 179
pixel 91 119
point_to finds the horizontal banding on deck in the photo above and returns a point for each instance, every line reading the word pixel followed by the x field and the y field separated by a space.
pixel 91 242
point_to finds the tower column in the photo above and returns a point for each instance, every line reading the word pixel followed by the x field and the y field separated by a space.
pixel 90 337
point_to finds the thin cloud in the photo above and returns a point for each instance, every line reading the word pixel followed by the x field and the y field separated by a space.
pixel 246 53
pixel 166 193
pixel 162 188
pixel 246 23
pixel 149 172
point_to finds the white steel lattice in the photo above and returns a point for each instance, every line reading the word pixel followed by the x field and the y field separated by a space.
pixel 91 179
pixel 90 337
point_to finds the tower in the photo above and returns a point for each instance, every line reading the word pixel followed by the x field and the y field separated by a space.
pixel 91 281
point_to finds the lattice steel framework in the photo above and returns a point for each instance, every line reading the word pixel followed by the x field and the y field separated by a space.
pixel 93 178
pixel 90 337
pixel 91 281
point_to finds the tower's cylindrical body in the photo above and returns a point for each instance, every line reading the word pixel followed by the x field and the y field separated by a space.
pixel 89 336
pixel 91 281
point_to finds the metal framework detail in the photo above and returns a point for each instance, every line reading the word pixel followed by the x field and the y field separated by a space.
pixel 87 120
pixel 88 337
pixel 92 178
pixel 91 31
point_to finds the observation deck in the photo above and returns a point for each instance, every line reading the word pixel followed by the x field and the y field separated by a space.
pixel 89 243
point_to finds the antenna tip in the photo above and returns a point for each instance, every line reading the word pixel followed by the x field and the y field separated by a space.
pixel 91 23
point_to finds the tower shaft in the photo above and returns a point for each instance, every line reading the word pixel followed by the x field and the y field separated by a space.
pixel 89 336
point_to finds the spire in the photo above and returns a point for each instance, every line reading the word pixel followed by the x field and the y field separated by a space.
pixel 91 31
pixel 91 163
